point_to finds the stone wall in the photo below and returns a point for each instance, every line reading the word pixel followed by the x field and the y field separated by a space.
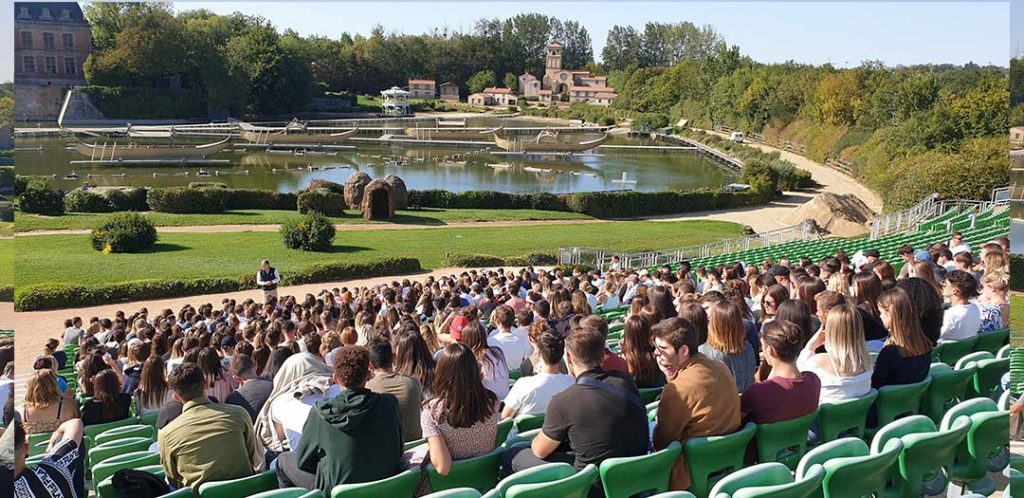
pixel 80 110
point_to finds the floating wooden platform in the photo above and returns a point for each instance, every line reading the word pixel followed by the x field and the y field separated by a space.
pixel 152 162
pixel 248 145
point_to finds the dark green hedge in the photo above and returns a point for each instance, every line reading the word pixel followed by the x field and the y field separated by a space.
pixel 128 199
pixel 91 201
pixel 241 198
pixel 597 204
pixel 39 198
pixel 322 201
pixel 6 177
pixel 6 211
pixel 1017 272
pixel 315 185
pixel 484 260
pixel 21 182
pixel 55 296
pixel 183 200
pixel 7 294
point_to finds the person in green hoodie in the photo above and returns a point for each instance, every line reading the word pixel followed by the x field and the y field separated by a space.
pixel 352 438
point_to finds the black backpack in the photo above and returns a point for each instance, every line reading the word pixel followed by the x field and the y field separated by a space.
pixel 138 484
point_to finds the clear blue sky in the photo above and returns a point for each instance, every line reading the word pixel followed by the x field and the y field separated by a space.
pixel 844 33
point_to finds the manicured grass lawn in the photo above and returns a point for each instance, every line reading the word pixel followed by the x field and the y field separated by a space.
pixel 6 262
pixel 6 229
pixel 69 258
pixel 28 222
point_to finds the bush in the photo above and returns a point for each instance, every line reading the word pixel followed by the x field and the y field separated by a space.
pixel 322 201
pixel 207 185
pixel 86 201
pixel 238 198
pixel 315 185
pixel 6 211
pixel 313 232
pixel 471 261
pixel 124 232
pixel 6 177
pixel 128 199
pixel 55 296
pixel 183 200
pixel 39 198
pixel 7 293
pixel 535 259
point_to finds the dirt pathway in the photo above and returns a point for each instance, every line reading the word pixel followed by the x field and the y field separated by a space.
pixel 831 180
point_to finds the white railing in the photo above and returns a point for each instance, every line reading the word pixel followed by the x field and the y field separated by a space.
pixel 601 258
pixel 904 221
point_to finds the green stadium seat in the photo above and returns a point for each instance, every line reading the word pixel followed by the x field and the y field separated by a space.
pixel 127 431
pixel 403 484
pixel 897 401
pixel 528 422
pixel 851 470
pixel 131 460
pixel 986 437
pixel 92 431
pixel 577 485
pixel 180 493
pixel 784 442
pixel 504 428
pixel 992 341
pixel 708 458
pixel 626 476
pixel 674 494
pixel 844 417
pixel 479 473
pixel 649 394
pixel 412 444
pixel 246 486
pixel 769 479
pixel 973 357
pixel 951 351
pixel 987 380
pixel 288 493
pixel 455 493
pixel 927 454
pixel 947 388
pixel 101 452
pixel 541 473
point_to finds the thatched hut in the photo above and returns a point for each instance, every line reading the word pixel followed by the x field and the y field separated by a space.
pixel 378 198
pixel 401 193
pixel 354 187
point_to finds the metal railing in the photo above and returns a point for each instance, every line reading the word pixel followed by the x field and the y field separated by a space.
pixel 931 207
pixel 601 258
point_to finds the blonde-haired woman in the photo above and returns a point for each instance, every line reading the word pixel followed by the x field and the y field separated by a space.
pixel 609 295
pixel 845 368
pixel 837 282
pixel 924 271
pixel 727 342
pixel 45 407
pixel 995 309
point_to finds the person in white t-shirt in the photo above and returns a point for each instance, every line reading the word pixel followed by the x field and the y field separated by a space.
pixel 530 395
pixel 290 413
pixel 963 318
pixel 515 347
pixel 957 244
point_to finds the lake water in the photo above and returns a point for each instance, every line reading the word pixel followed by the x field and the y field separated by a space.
pixel 422 167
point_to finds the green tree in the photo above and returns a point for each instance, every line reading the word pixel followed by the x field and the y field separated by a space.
pixel 838 100
pixel 511 82
pixel 481 80
pixel 622 48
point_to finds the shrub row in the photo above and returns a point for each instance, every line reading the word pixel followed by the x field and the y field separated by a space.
pixel 184 200
pixel 39 198
pixel 90 201
pixel 54 296
pixel 321 201
pixel 482 260
pixel 598 204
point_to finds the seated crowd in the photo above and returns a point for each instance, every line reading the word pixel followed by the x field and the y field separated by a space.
pixel 333 386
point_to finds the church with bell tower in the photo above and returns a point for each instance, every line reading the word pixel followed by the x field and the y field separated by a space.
pixel 579 84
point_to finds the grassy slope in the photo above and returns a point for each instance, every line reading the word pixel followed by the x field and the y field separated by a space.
pixel 429 216
pixel 69 258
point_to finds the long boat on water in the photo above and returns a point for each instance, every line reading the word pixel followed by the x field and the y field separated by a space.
pixel 129 151
pixel 294 133
pixel 546 141
pixel 450 133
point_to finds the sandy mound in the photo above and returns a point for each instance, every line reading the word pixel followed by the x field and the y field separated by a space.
pixel 839 215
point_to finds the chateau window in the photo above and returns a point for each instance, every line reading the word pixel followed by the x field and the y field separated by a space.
pixel 23 13
pixel 45 14
pixel 65 14
pixel 69 41
pixel 28 64
pixel 26 39
pixel 69 66
pixel 51 65
pixel 48 41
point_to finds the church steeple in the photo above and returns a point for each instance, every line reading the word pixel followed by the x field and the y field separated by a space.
pixel 554 55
